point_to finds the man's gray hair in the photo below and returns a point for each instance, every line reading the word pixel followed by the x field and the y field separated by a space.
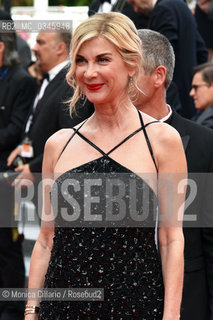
pixel 157 51
pixel 66 37
pixel 10 56
pixel 61 34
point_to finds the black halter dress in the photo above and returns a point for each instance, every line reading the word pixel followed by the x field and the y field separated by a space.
pixel 122 260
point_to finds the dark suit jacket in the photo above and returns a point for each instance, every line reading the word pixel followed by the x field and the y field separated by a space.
pixel 198 283
pixel 205 117
pixel 173 19
pixel 173 98
pixel 139 19
pixel 17 91
pixel 52 115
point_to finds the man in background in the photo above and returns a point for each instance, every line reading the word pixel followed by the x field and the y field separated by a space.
pixel 202 94
pixel 49 112
pixel 173 19
pixel 155 77
pixel 207 7
pixel 23 48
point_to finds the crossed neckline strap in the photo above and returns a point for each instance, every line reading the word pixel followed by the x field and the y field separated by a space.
pixel 76 131
pixel 99 149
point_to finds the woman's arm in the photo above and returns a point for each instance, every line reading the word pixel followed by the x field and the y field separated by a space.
pixel 171 246
pixel 39 264
pixel 172 172
pixel 42 249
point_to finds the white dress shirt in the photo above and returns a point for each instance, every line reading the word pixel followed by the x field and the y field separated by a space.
pixel 106 6
pixel 168 115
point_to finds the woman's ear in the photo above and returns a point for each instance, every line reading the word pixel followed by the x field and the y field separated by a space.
pixel 132 71
pixel 160 76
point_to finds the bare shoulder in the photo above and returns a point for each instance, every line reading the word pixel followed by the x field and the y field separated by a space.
pixel 54 146
pixel 161 132
pixel 166 144
pixel 57 139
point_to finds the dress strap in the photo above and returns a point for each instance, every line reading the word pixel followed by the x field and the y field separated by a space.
pixel 147 138
pixel 90 142
pixel 75 131
pixel 124 140
pixel 147 124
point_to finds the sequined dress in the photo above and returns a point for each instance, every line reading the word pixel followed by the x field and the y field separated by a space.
pixel 124 261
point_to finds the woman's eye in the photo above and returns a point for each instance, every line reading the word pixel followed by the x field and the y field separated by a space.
pixel 103 59
pixel 80 60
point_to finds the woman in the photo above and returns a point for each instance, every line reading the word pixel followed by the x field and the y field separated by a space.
pixel 116 139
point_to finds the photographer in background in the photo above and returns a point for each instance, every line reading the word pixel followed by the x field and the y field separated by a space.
pixel 24 52
pixel 17 90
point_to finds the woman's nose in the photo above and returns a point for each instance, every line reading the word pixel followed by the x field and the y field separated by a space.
pixel 91 71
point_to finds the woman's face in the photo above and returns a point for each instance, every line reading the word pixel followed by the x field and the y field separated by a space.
pixel 100 72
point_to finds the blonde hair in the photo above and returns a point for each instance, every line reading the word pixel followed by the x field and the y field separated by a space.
pixel 117 29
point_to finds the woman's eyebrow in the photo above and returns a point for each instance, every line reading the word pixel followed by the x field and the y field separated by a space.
pixel 104 54
pixel 98 56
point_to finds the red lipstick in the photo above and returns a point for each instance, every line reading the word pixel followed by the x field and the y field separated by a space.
pixel 94 86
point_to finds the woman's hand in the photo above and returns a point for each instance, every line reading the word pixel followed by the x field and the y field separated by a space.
pixel 33 316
